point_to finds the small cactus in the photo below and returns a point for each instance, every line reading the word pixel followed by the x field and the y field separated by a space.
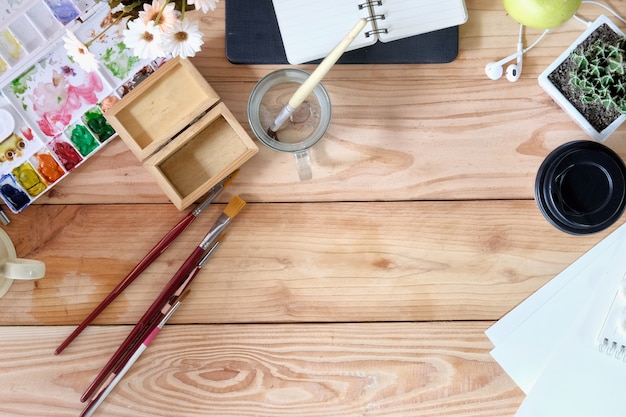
pixel 600 74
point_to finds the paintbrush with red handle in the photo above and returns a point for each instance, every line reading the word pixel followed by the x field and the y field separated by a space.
pixel 116 377
pixel 154 253
pixel 148 319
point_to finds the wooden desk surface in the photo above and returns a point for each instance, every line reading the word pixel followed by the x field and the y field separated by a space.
pixel 364 292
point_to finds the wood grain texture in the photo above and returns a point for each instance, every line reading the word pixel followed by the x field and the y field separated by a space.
pixel 363 292
pixel 447 133
pixel 320 262
pixel 323 370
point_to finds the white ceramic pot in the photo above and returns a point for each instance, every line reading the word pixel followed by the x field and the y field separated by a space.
pixel 562 101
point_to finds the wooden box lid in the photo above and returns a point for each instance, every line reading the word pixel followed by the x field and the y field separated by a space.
pixel 161 106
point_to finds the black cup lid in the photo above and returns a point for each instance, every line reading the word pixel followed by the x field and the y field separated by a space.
pixel 581 187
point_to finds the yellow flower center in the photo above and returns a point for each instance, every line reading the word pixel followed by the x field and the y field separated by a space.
pixel 147 36
pixel 181 36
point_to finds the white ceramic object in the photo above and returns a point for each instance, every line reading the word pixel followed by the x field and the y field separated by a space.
pixel 12 268
pixel 7 124
pixel 556 95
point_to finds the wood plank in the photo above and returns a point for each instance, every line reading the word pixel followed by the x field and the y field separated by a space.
pixel 374 153
pixel 412 285
pixel 407 369
pixel 377 152
pixel 489 35
pixel 386 261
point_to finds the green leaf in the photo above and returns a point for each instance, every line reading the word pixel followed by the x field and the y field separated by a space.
pixel 616 65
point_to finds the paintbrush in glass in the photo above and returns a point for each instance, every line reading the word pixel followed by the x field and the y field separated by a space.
pixel 314 79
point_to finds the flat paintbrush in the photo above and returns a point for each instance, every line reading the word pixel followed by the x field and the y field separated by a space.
pixel 164 315
pixel 154 253
pixel 139 331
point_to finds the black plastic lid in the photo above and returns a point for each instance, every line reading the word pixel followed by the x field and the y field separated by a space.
pixel 581 187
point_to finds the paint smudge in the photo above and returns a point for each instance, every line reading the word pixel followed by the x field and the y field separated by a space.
pixel 66 154
pixel 15 198
pixel 95 120
pixel 48 167
pixel 119 60
pixel 56 101
pixel 83 139
pixel 27 132
pixel 12 148
pixel 28 178
pixel 63 10
pixel 10 45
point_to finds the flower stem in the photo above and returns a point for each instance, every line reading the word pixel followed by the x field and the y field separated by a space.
pixel 156 19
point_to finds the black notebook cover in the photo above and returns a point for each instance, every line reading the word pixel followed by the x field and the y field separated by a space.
pixel 253 37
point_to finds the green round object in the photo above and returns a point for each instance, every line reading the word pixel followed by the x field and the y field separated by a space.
pixel 541 14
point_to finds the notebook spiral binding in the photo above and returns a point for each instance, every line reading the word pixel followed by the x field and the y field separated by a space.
pixel 373 17
pixel 612 337
pixel 613 348
pixel 370 3
pixel 376 17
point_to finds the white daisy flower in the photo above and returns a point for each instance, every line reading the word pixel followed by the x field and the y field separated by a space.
pixel 205 5
pixel 168 14
pixel 144 38
pixel 79 52
pixel 184 40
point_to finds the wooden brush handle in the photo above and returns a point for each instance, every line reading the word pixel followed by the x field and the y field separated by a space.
pixel 139 332
pixel 154 253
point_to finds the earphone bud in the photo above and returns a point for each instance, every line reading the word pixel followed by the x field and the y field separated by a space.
pixel 494 70
pixel 514 71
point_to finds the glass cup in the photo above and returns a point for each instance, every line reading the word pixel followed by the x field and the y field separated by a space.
pixel 305 127
pixel 12 268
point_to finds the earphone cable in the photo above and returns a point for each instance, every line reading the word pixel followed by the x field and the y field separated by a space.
pixel 531 46
pixel 597 3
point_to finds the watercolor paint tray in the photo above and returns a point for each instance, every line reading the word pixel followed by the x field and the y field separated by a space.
pixel 51 110
pixel 29 27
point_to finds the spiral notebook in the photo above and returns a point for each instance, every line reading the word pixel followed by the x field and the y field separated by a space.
pixel 563 345
pixel 310 30
pixel 253 37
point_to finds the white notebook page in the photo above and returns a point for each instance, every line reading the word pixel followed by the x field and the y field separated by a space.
pixel 405 18
pixel 311 29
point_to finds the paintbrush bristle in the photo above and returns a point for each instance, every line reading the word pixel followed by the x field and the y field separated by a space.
pixel 183 296
pixel 231 178
pixel 234 206
pixel 272 134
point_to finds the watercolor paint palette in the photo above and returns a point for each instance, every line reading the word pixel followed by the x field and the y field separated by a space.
pixel 51 110
pixel 27 27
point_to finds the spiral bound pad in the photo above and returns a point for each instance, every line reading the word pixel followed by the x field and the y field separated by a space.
pixel 612 338
pixel 310 30
pixel 253 37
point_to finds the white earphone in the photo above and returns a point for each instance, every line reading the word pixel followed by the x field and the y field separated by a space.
pixel 494 69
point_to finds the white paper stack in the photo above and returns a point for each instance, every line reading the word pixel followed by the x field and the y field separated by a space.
pixel 549 344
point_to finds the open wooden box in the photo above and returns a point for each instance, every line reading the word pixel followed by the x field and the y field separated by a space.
pixel 174 124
